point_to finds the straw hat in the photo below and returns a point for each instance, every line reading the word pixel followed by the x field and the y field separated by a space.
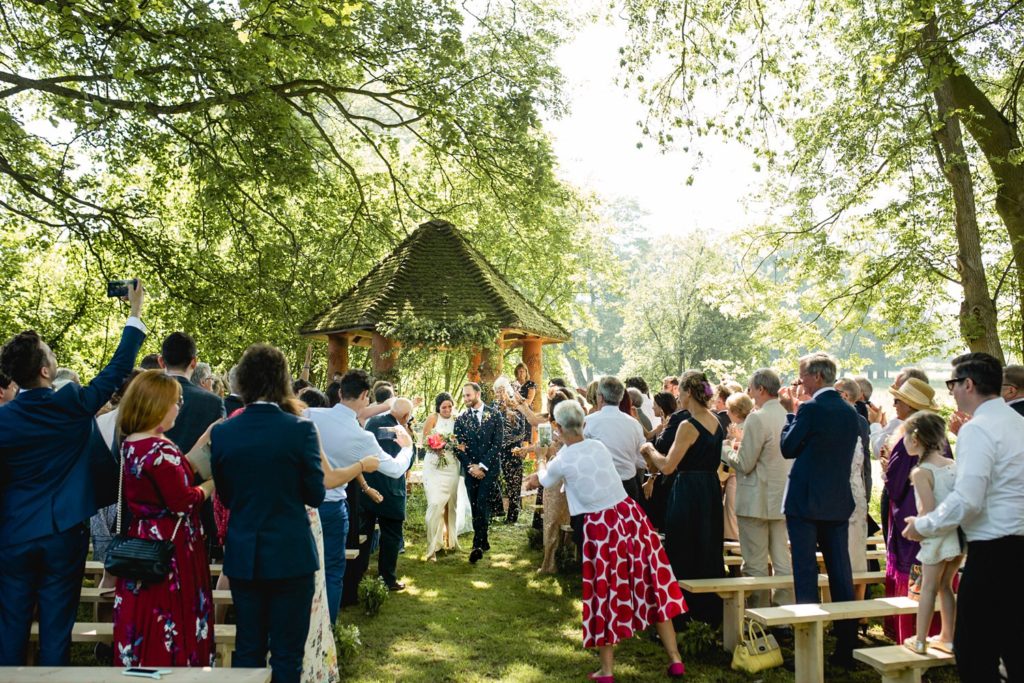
pixel 916 394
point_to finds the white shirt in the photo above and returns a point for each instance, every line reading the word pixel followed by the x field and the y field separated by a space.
pixel 647 408
pixel 621 434
pixel 107 424
pixel 879 434
pixel 592 481
pixel 987 501
pixel 346 442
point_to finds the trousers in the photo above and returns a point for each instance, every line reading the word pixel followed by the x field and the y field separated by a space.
pixel 334 521
pixel 272 614
pixel 765 546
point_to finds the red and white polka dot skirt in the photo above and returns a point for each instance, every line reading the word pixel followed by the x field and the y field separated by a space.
pixel 628 582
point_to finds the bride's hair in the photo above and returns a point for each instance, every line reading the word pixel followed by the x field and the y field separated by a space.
pixel 441 398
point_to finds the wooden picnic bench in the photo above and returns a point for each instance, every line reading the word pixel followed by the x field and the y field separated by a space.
pixel 734 591
pixel 96 674
pixel 897 664
pixel 95 568
pixel 734 546
pixel 98 596
pixel 808 621
pixel 97 632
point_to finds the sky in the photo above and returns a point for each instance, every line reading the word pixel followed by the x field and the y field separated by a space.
pixel 596 145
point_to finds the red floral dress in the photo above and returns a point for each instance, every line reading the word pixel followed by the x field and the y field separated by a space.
pixel 628 582
pixel 169 623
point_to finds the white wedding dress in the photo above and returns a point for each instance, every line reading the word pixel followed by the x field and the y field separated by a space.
pixel 445 491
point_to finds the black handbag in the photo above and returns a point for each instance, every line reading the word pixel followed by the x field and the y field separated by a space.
pixel 138 558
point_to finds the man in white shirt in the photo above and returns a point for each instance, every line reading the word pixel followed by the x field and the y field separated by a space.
pixel 647 405
pixel 987 503
pixel 346 442
pixel 1013 387
pixel 621 434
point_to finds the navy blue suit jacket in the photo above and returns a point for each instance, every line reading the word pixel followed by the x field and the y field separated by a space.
pixel 48 440
pixel 266 466
pixel 822 437
pixel 483 441
pixel 199 410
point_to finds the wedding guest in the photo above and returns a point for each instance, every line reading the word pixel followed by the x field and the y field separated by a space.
pixel 658 486
pixel 761 474
pixel 8 389
pixel 849 389
pixel 151 361
pixel 179 357
pixel 591 395
pixel 524 384
pixel 64 377
pixel 621 434
pixel 621 552
pixel 636 400
pixel 389 514
pixel 860 486
pixel 693 518
pixel 345 443
pixel 48 446
pixel 987 503
pixel 822 440
pixel 168 623
pixel 313 398
pixel 515 433
pixel 670 384
pixel 479 431
pixel 738 406
pixel 233 401
pixel 554 384
pixel 219 388
pixel 1013 387
pixel 646 406
pixel 441 480
pixel 866 389
pixel 266 463
pixel 202 377
pixel 901 553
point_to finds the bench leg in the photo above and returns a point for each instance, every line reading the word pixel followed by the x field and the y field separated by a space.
pixel 809 644
pixel 225 655
pixel 905 676
pixel 732 618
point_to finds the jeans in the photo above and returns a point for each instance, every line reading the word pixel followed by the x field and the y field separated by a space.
pixel 334 521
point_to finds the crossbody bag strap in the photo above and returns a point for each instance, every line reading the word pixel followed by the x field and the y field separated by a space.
pixel 120 489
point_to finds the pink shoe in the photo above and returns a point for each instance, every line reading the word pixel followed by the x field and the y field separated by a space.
pixel 676 670
pixel 595 676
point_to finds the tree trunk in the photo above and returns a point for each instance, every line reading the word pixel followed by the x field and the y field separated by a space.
pixel 977 310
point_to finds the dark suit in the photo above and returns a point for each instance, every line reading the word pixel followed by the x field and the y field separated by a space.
pixel 1019 407
pixel 483 447
pixel 266 465
pixel 232 402
pixel 48 444
pixel 823 438
pixel 389 514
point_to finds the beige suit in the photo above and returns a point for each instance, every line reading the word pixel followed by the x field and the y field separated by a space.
pixel 761 476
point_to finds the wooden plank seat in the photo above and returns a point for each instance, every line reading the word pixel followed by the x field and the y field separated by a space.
pixel 96 632
pixel 94 568
pixel 734 591
pixel 897 664
pixel 96 674
pixel 808 621
pixel 875 543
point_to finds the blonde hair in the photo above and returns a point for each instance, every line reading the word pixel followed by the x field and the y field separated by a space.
pixel 740 403
pixel 524 369
pixel 146 402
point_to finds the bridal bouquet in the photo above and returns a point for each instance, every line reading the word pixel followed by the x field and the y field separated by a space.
pixel 443 445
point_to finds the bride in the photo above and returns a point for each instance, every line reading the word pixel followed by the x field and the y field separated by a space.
pixel 447 500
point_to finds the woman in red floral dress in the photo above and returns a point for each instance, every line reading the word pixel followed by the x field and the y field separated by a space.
pixel 169 623
pixel 627 580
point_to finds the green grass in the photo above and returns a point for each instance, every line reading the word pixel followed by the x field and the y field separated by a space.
pixel 500 621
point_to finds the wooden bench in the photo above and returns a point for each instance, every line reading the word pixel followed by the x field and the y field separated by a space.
pixel 97 597
pixel 897 664
pixel 94 568
pixel 734 591
pixel 92 632
pixel 96 674
pixel 808 621
pixel 734 547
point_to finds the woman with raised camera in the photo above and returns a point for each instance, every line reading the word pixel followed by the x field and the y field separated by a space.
pixel 167 622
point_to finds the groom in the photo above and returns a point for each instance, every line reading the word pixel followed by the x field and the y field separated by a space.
pixel 478 431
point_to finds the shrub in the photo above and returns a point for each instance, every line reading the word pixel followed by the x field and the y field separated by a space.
pixel 346 638
pixel 698 639
pixel 372 594
pixel 535 539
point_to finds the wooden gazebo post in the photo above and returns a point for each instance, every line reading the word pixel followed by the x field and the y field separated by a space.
pixel 337 355
pixel 533 358
pixel 384 356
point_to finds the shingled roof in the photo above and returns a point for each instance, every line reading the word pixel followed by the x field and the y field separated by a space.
pixel 438 274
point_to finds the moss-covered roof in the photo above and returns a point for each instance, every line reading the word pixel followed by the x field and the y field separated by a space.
pixel 438 275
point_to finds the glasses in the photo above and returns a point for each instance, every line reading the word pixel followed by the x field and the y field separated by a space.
pixel 797 383
pixel 950 383
pixel 181 401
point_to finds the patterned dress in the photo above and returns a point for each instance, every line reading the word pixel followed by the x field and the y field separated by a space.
pixel 169 623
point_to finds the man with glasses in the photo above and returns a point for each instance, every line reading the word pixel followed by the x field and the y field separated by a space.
pixel 987 503
pixel 1013 387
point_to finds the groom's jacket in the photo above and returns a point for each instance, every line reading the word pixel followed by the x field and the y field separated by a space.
pixel 482 441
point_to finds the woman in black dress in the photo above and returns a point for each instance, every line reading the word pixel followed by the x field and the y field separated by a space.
pixel 658 485
pixel 693 518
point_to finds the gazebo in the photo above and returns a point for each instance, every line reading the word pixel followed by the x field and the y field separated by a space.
pixel 435 274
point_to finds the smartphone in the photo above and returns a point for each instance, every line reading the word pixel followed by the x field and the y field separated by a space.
pixel 145 673
pixel 544 433
pixel 119 288
pixel 385 433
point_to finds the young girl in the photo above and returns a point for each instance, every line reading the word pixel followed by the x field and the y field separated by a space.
pixel 940 557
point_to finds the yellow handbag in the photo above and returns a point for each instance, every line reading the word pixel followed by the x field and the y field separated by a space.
pixel 757 651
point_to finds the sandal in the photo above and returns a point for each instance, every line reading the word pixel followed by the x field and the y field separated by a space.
pixel 916 646
pixel 940 645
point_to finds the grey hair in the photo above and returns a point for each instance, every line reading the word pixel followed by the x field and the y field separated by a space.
pixel 232 375
pixel 202 373
pixel 820 364
pixel 569 416
pixel 866 388
pixel 915 372
pixel 849 386
pixel 611 390
pixel 66 374
pixel 766 379
pixel 635 397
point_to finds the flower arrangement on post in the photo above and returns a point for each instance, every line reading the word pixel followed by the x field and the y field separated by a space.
pixel 443 445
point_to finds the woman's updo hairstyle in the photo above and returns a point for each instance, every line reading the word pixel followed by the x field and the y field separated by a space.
pixel 695 384
pixel 441 398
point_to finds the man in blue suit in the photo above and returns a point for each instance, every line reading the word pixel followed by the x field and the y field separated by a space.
pixel 822 437
pixel 479 432
pixel 266 465
pixel 48 443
